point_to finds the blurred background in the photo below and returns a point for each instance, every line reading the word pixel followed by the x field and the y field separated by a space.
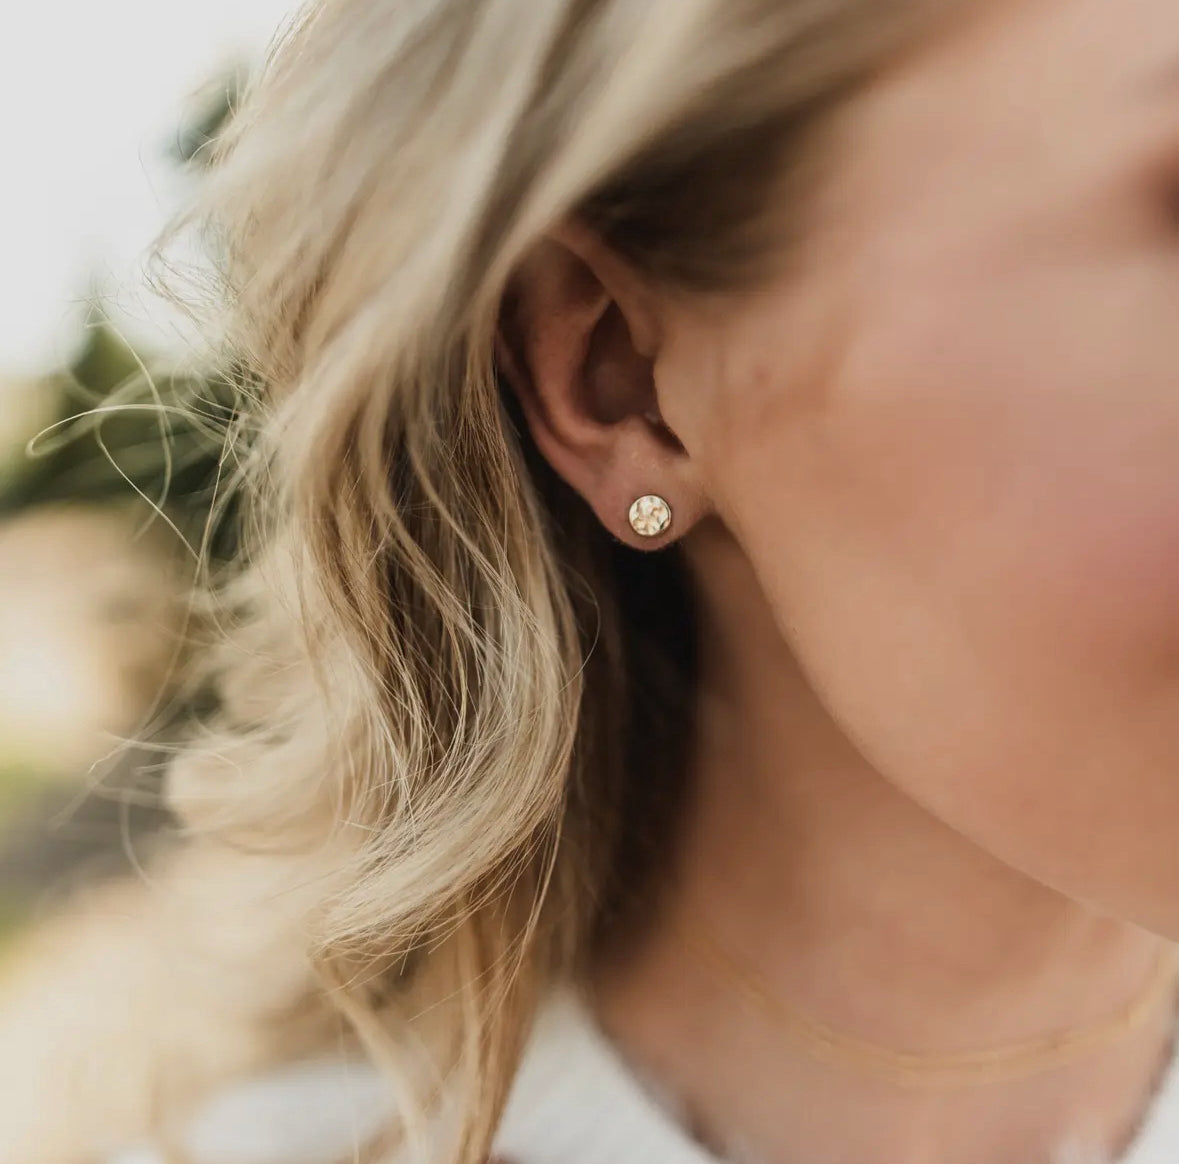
pixel 109 108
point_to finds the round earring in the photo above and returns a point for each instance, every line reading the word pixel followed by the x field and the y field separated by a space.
pixel 650 516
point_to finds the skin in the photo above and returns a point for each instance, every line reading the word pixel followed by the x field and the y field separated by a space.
pixel 928 483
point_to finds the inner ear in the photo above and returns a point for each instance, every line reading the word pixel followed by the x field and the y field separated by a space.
pixel 617 381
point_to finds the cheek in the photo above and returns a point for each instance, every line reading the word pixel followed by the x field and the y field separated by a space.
pixel 1100 577
pixel 983 584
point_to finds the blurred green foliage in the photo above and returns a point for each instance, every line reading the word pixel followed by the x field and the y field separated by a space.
pixel 113 433
pixel 115 436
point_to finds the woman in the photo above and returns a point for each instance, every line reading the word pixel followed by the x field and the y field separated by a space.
pixel 715 494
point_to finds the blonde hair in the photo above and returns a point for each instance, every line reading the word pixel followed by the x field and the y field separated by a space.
pixel 448 695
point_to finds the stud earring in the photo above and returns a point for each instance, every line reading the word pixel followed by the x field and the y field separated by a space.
pixel 650 516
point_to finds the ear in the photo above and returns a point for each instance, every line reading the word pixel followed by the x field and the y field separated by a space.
pixel 578 342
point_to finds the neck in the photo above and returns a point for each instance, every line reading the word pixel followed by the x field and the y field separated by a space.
pixel 858 908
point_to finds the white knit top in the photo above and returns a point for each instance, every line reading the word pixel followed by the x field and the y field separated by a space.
pixel 574 1102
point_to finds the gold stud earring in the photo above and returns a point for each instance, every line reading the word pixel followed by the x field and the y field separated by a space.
pixel 650 516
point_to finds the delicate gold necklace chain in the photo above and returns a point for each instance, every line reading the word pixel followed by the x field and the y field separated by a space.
pixel 914 1069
